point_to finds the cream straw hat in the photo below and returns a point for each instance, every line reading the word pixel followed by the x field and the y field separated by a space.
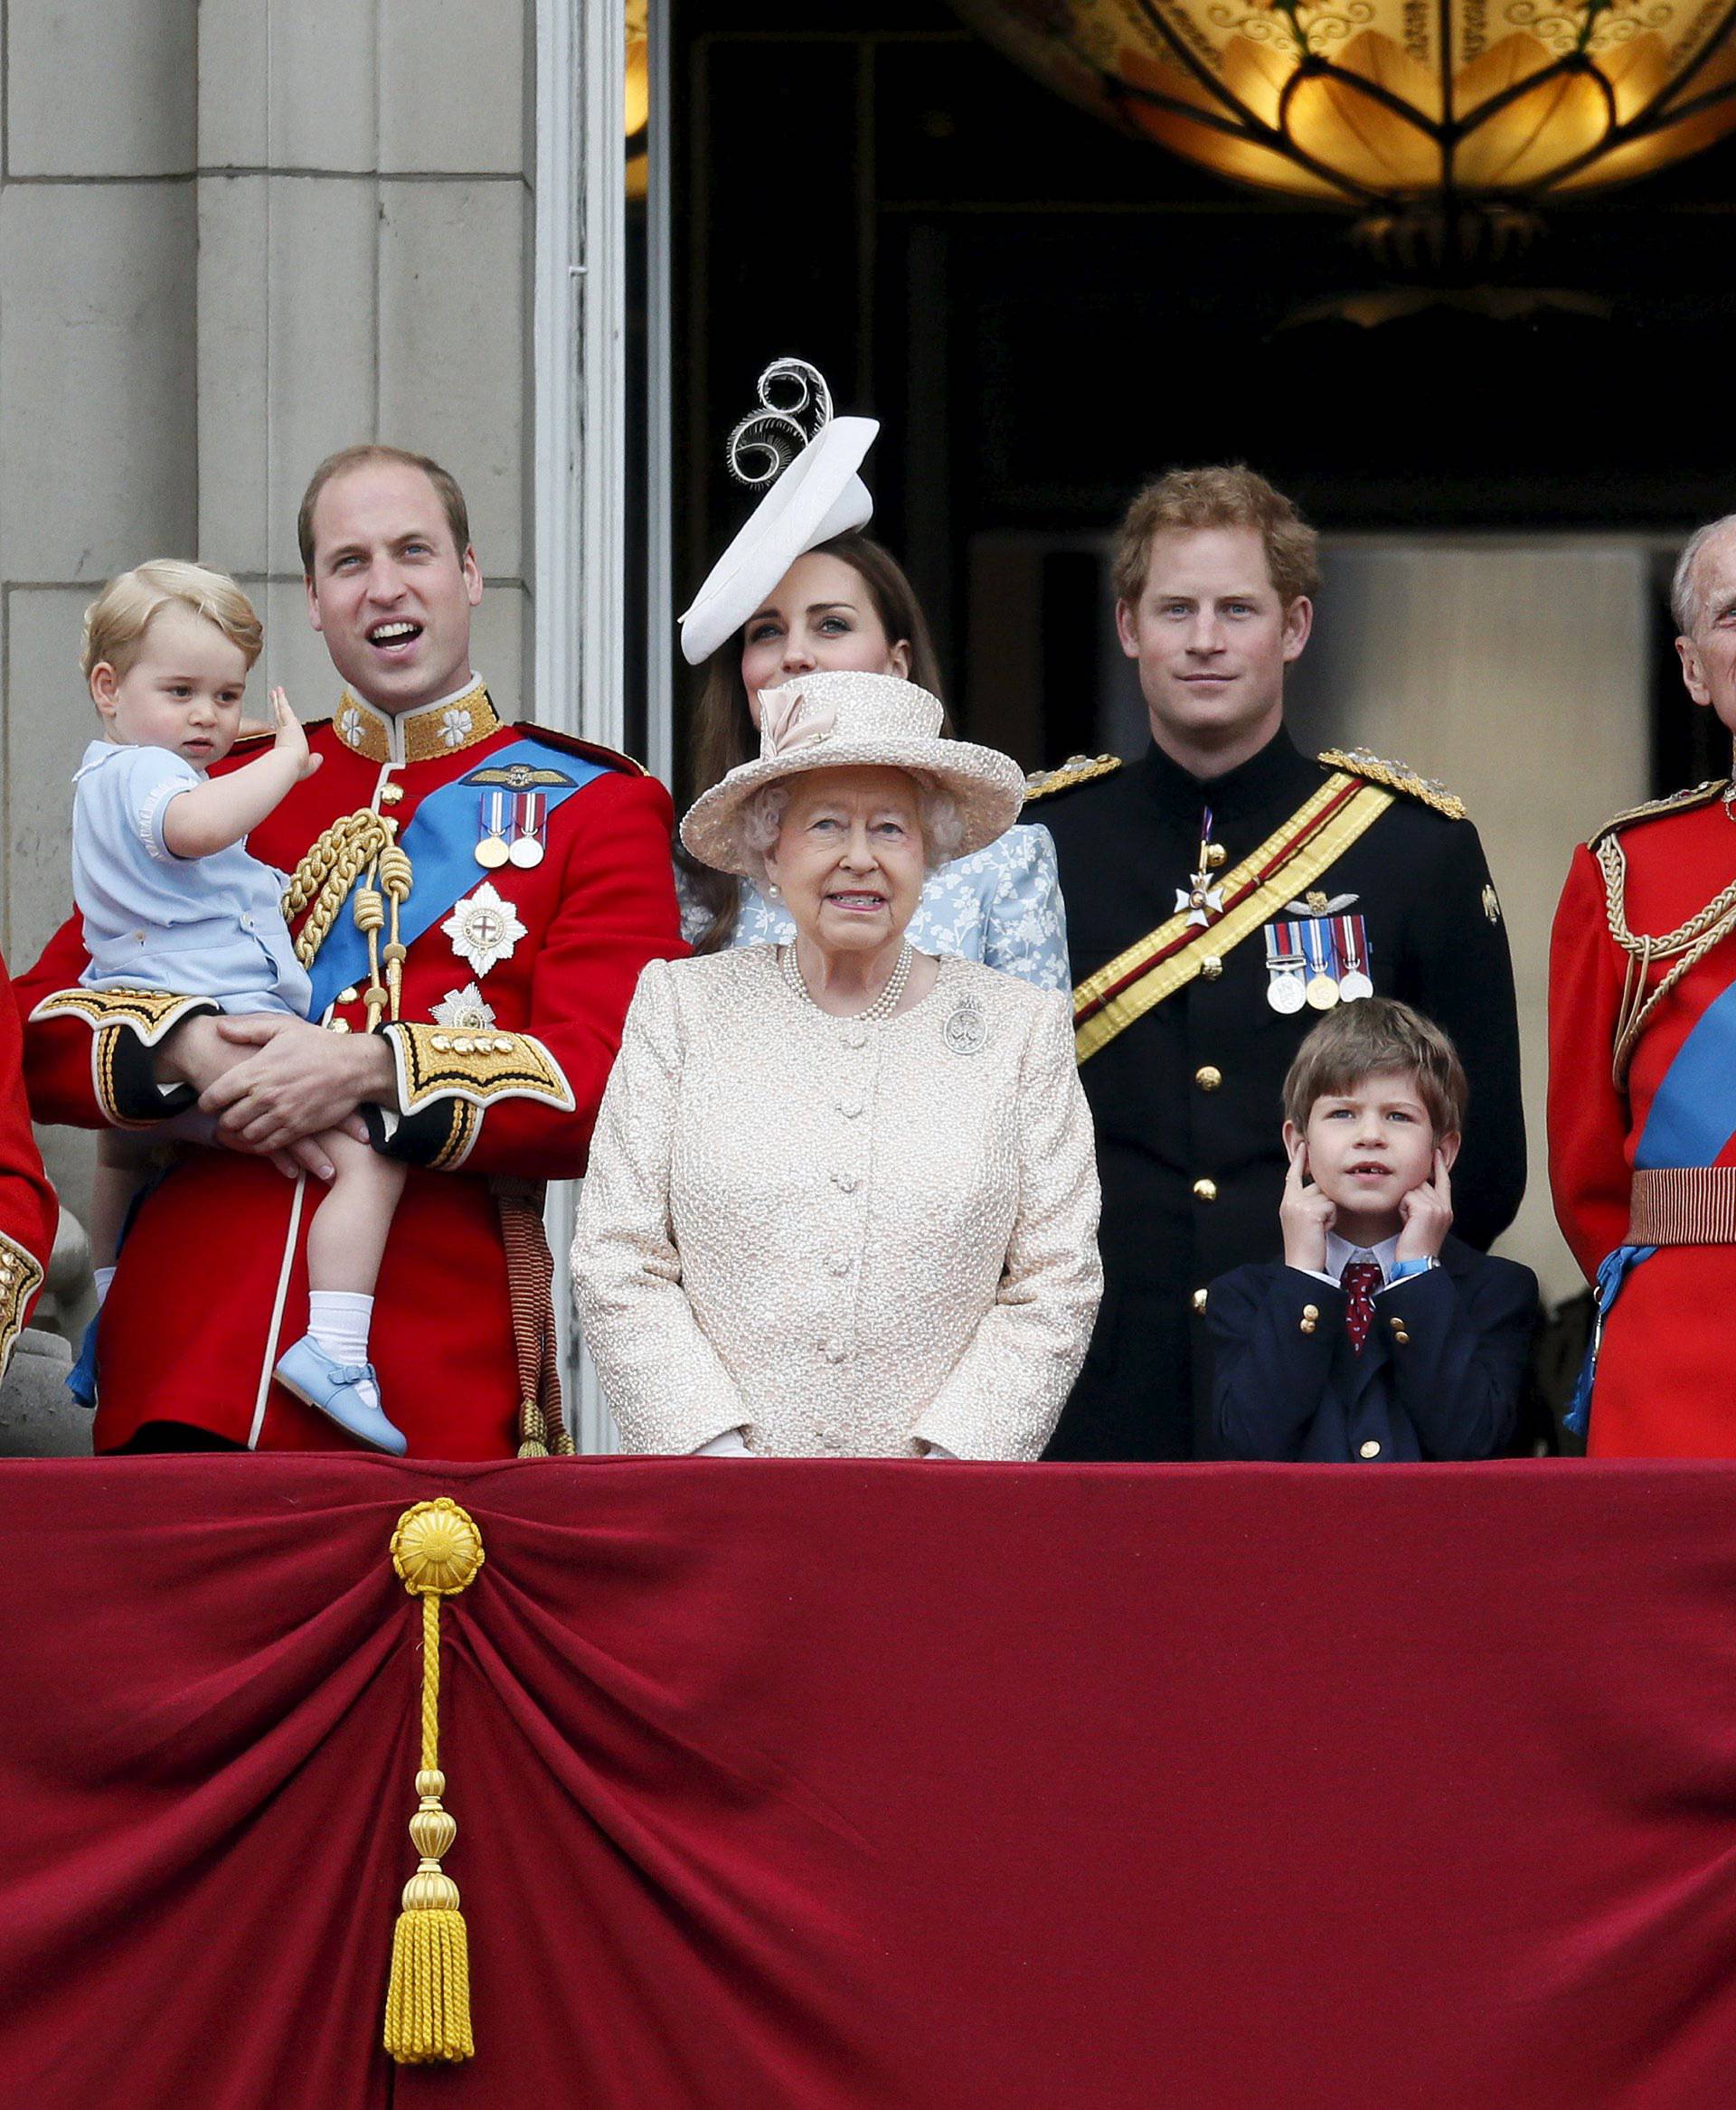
pixel 842 720
pixel 815 494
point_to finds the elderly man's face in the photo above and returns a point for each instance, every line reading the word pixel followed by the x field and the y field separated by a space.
pixel 849 857
pixel 1708 652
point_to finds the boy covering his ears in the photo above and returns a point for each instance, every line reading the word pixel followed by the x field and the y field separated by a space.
pixel 1379 1336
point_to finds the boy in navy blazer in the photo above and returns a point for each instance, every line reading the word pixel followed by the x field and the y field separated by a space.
pixel 1379 1336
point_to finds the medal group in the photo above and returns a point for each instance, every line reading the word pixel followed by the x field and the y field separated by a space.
pixel 1317 956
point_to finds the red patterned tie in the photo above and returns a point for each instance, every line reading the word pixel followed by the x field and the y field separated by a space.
pixel 1358 1282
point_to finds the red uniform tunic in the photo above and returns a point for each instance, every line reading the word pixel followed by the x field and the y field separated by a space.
pixel 1666 1377
pixel 28 1210
pixel 213 1285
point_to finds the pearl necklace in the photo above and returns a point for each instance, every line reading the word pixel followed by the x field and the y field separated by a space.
pixel 884 1005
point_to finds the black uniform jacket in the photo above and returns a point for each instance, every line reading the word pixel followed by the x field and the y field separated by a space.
pixel 1187 1100
pixel 1439 1376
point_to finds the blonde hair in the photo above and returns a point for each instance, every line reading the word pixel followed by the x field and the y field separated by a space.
pixel 116 622
pixel 1363 1039
pixel 1225 497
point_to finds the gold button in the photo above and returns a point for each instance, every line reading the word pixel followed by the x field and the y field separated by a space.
pixel 348 996
pixel 440 1044
pixel 391 794
pixel 461 1046
pixel 1215 854
pixel 340 1025
pixel 1205 1190
pixel 503 1046
pixel 1199 1300
pixel 1307 1325
pixel 1371 1449
pixel 1310 1311
pixel 1211 967
pixel 1208 1077
pixel 1397 1325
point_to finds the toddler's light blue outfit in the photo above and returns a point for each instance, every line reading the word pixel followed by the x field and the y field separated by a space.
pixel 1001 905
pixel 196 925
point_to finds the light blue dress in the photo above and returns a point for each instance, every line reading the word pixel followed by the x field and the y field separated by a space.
pixel 197 925
pixel 1001 905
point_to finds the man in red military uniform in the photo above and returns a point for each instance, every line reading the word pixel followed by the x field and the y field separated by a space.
pixel 28 1211
pixel 474 901
pixel 1642 1086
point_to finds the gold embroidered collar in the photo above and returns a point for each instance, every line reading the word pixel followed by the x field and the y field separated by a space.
pixel 422 735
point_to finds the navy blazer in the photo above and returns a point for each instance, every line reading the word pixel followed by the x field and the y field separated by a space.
pixel 1440 1375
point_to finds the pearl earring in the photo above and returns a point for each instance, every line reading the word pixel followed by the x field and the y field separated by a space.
pixel 774 890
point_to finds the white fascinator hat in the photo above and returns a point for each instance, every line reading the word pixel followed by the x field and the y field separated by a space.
pixel 841 719
pixel 809 460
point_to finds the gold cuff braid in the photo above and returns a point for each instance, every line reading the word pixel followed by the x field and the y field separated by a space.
pixel 21 1276
pixel 434 1063
pixel 149 1013
pixel 112 1016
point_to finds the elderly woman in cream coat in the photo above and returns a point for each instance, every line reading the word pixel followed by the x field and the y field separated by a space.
pixel 843 1198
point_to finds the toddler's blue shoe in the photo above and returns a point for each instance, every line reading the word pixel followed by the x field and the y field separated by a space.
pixel 81 1378
pixel 312 1375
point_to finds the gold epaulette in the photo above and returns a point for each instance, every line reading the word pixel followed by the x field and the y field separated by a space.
pixel 1395 776
pixel 1678 801
pixel 1075 769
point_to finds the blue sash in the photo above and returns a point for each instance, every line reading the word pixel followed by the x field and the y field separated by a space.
pixel 1690 1122
pixel 440 842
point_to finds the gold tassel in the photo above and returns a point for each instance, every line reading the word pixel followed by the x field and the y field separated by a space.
pixel 533 1430
pixel 436 1551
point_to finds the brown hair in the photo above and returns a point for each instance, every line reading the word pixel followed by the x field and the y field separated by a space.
pixel 446 487
pixel 1223 497
pixel 116 622
pixel 724 735
pixel 1359 1039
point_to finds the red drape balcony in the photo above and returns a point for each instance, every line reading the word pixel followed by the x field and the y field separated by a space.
pixel 947 1787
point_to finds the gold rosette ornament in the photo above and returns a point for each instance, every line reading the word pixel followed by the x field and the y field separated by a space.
pixel 437 1552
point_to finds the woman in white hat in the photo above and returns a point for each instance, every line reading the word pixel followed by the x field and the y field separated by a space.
pixel 802 589
pixel 843 1196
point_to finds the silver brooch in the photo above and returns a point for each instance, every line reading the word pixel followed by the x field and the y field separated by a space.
pixel 966 1030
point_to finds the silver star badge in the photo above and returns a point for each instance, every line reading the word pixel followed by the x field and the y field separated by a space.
pixel 484 929
pixel 466 1009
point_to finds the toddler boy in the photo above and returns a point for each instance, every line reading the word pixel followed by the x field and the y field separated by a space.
pixel 1379 1336
pixel 171 899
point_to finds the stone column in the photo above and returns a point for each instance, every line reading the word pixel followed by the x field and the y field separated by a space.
pixel 233 237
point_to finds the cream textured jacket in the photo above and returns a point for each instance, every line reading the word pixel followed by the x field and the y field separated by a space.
pixel 843 1239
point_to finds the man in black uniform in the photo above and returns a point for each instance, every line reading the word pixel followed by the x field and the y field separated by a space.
pixel 1221 891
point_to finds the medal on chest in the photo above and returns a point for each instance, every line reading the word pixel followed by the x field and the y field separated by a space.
pixel 513 813
pixel 1317 956
pixel 1201 901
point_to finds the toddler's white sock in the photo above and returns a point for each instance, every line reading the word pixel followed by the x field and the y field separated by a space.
pixel 339 1321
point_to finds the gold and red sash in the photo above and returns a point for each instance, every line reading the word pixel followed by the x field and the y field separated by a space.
pixel 1285 865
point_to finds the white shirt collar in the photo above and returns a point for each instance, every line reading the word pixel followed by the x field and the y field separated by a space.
pixel 1340 1253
